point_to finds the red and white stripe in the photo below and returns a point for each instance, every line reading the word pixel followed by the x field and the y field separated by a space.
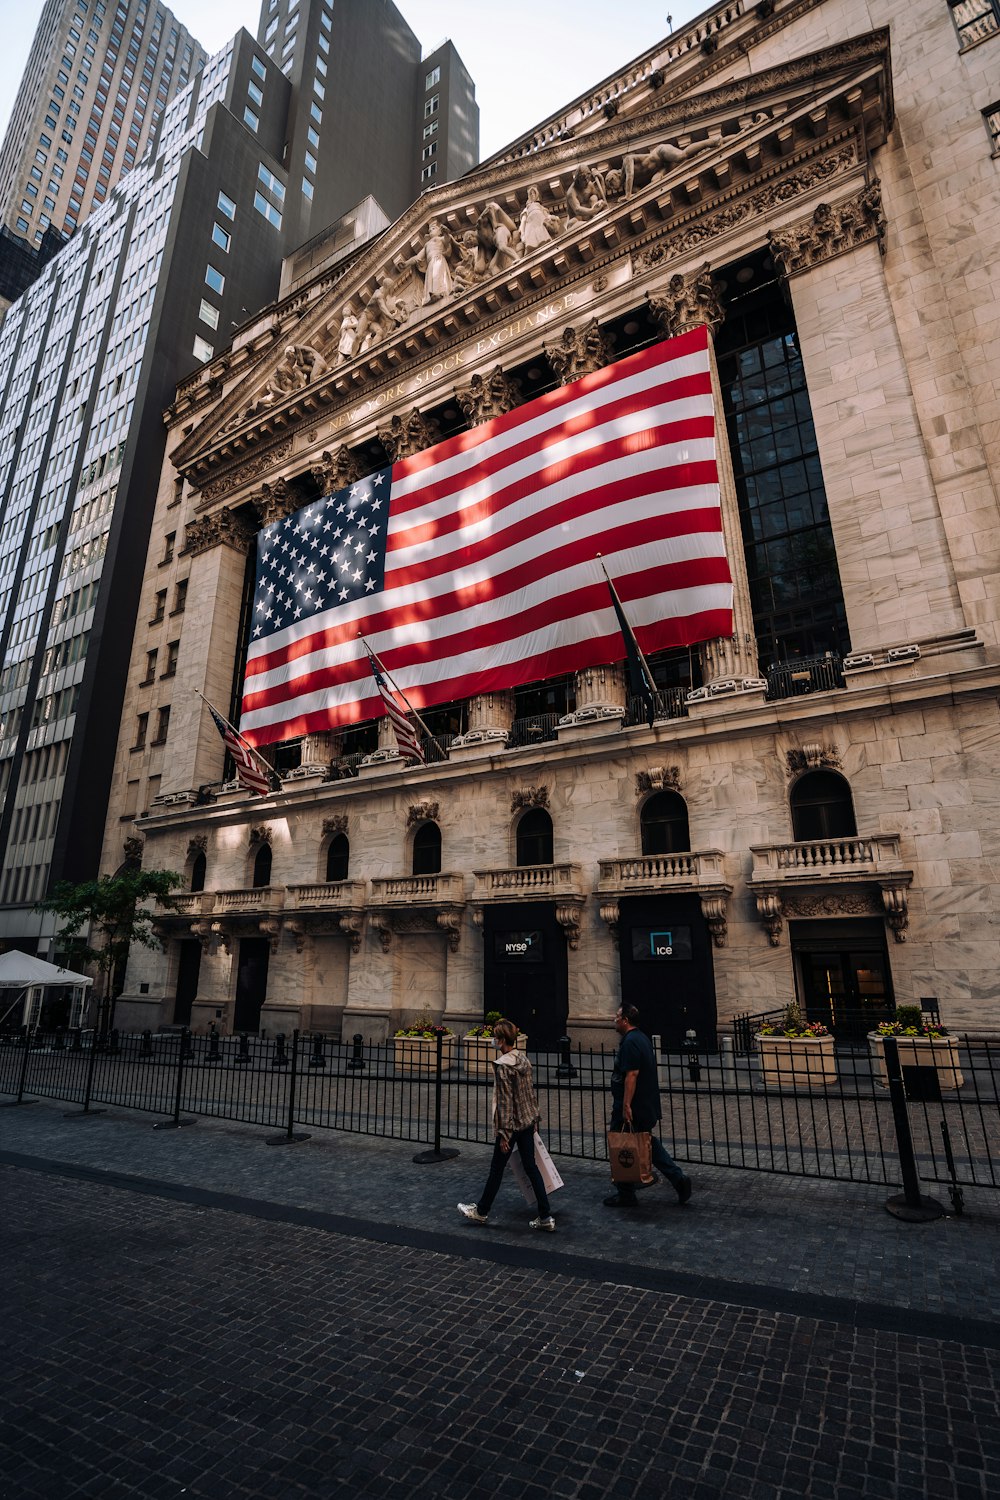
pixel 491 575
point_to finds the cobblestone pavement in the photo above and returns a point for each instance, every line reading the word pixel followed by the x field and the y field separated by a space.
pixel 191 1313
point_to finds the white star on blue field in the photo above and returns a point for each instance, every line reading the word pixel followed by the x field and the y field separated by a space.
pixel 329 553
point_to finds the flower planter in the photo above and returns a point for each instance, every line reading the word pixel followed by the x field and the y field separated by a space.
pixel 938 1052
pixel 479 1054
pixel 418 1054
pixel 796 1062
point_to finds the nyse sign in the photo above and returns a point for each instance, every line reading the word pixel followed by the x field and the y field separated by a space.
pixel 661 944
pixel 518 947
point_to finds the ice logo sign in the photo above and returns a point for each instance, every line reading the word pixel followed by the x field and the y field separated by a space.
pixel 661 944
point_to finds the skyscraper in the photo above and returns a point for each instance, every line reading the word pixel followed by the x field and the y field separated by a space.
pixel 186 247
pixel 98 79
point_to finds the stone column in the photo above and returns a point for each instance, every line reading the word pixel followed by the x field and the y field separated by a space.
pixel 491 714
pixel 599 691
pixel 728 663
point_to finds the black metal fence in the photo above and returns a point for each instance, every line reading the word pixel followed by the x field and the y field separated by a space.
pixel 827 1114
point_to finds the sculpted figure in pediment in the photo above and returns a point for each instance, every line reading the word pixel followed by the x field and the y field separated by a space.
pixel 537 225
pixel 348 336
pixel 496 233
pixel 656 162
pixel 585 197
pixel 433 259
pixel 468 271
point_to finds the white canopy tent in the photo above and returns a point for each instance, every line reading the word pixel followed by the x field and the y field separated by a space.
pixel 24 978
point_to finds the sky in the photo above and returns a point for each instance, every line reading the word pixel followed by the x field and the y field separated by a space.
pixel 528 57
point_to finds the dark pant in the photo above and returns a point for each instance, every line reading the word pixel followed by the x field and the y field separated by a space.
pixel 662 1160
pixel 524 1140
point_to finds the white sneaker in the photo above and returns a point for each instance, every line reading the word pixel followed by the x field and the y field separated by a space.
pixel 548 1224
pixel 471 1211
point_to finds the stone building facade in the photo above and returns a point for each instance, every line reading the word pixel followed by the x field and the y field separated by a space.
pixel 813 812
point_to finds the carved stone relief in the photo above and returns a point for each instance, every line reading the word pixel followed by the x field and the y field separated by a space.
pixel 261 463
pixel 487 396
pixel 830 230
pixel 832 903
pixel 336 471
pixel 132 848
pixel 687 302
pixel 658 779
pixel 812 757
pixel 335 825
pixel 197 845
pixel 529 796
pixel 422 812
pixel 224 528
pixel 275 502
pixel 261 834
pixel 580 352
pixel 405 436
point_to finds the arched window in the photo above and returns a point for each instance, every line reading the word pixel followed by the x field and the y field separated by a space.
pixel 427 850
pixel 338 857
pixel 822 807
pixel 262 866
pixel 664 824
pixel 534 838
pixel 198 866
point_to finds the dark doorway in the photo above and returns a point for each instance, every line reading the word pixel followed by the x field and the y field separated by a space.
pixel 524 969
pixel 665 951
pixel 427 850
pixel 842 975
pixel 188 968
pixel 251 983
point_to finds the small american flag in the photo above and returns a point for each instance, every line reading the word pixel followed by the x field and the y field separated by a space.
pixel 406 739
pixel 471 567
pixel 248 768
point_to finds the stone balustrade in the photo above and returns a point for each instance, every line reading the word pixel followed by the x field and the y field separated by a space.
pixel 527 882
pixel 250 901
pixel 418 890
pixel 326 895
pixel 849 858
pixel 693 867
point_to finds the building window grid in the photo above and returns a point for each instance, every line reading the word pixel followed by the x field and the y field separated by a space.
pixel 975 20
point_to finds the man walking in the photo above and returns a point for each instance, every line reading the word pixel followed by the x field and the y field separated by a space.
pixel 635 1101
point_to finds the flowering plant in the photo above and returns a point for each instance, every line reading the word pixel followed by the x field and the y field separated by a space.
pixel 909 1021
pixel 794 1025
pixel 486 1030
pixel 424 1027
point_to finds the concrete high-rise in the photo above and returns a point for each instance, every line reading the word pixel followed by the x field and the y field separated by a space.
pixel 98 79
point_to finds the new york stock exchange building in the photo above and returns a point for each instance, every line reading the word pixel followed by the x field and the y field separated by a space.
pixel 728 328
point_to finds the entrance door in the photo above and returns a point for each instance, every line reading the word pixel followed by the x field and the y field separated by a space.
pixel 665 952
pixel 842 975
pixel 188 969
pixel 251 983
pixel 524 969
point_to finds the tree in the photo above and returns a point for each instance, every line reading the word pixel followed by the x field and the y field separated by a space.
pixel 102 918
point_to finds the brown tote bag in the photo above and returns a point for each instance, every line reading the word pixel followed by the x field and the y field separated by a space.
pixel 631 1155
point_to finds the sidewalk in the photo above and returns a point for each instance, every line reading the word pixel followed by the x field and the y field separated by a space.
pixel 759 1239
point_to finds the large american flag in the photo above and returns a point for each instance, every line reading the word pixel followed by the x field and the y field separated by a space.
pixel 473 566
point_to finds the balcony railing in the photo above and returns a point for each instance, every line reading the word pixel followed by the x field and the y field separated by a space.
pixel 823 858
pixel 671 703
pixel 418 890
pixel 527 882
pixel 808 674
pixel 254 900
pixel 327 895
pixel 533 730
pixel 648 872
pixel 187 904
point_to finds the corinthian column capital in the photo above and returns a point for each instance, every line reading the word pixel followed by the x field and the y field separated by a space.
pixel 686 301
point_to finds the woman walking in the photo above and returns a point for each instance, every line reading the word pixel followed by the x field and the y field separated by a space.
pixel 515 1115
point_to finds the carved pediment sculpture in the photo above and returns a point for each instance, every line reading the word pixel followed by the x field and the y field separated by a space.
pixel 580 351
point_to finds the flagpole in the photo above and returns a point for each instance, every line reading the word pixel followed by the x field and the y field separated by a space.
pixel 397 689
pixel 650 683
pixel 269 770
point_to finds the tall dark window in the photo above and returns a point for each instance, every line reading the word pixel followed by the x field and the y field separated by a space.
pixel 822 807
pixel 795 589
pixel 198 866
pixel 534 838
pixel 338 857
pixel 664 824
pixel 262 866
pixel 427 850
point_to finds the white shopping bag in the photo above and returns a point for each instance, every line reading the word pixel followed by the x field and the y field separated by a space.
pixel 546 1166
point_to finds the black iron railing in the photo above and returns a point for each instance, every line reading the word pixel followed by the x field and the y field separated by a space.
pixel 812 1111
pixel 807 674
